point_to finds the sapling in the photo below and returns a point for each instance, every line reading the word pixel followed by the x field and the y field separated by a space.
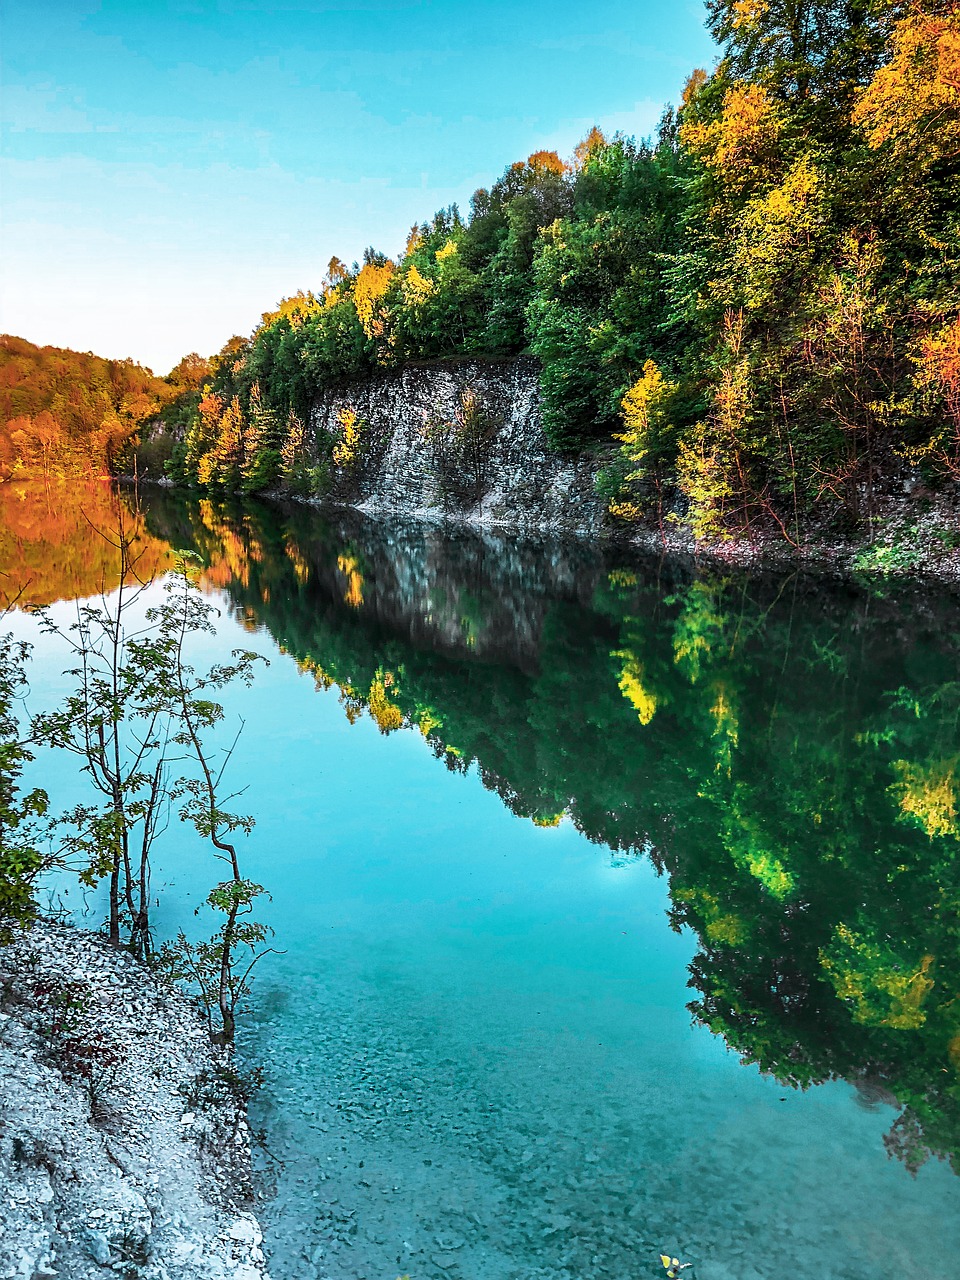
pixel 117 720
pixel 139 717
pixel 22 816
pixel 221 979
pixel 136 718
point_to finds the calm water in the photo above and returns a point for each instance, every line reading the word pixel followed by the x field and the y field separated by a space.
pixel 619 903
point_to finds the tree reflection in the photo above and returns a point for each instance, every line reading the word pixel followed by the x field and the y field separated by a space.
pixel 49 548
pixel 785 752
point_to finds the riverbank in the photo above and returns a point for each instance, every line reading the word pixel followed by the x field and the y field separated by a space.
pixel 123 1138
pixel 909 545
pixel 462 443
pixel 489 466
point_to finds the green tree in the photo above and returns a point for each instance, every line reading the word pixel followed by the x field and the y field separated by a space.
pixel 134 719
pixel 22 815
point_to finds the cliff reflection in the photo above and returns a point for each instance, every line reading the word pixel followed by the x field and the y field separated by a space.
pixel 786 752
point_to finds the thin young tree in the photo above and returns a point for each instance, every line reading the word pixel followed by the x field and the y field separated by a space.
pixel 137 719
pixel 212 965
pixel 23 826
pixel 115 720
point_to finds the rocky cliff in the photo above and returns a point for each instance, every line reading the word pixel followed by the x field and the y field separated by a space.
pixel 462 443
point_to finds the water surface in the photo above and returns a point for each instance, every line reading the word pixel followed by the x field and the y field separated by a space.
pixel 619 905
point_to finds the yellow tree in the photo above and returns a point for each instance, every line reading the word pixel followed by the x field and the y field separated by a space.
pixel 38 442
pixel 222 464
pixel 544 162
pixel 646 423
pixel 293 449
pixel 347 451
pixel 742 145
pixel 369 287
pixel 714 466
pixel 337 272
pixel 913 101
pixel 844 345
pixel 938 379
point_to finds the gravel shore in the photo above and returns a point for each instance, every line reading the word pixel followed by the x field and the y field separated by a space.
pixel 124 1147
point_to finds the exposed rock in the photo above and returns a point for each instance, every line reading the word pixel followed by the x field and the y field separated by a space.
pixel 526 485
pixel 122 1148
pixel 529 488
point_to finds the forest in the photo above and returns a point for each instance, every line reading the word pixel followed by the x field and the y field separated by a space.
pixel 67 413
pixel 753 317
pixel 751 321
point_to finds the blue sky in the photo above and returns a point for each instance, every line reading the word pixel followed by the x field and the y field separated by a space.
pixel 171 170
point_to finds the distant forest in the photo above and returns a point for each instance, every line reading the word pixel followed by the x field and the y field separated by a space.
pixel 756 312
pixel 64 412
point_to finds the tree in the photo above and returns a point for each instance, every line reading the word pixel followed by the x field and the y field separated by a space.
pixel 22 828
pixel 115 722
pixel 38 442
pixel 212 964
pixel 912 103
pixel 369 287
pixel 263 443
pixel 135 716
pixel 646 442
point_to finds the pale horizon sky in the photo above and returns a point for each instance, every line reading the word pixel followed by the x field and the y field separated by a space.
pixel 171 168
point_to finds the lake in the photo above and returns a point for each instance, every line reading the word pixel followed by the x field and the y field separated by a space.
pixel 618 898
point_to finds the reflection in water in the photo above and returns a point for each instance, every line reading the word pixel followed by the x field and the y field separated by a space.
pixel 51 546
pixel 788 753
pixel 478 1056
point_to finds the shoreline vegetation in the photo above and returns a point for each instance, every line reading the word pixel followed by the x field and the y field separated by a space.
pixel 749 325
pixel 98 1030
pixel 746 328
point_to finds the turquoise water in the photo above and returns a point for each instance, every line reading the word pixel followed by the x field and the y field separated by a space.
pixel 479 1056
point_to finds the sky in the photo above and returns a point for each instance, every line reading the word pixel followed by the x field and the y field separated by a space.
pixel 170 169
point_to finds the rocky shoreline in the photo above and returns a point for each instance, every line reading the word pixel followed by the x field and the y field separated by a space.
pixel 124 1146
pixel 527 488
pixel 517 484
pixel 911 550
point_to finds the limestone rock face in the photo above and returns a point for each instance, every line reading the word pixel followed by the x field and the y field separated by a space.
pixel 122 1152
pixel 518 482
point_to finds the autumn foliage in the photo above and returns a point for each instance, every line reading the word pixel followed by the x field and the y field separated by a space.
pixel 63 411
pixel 66 413
pixel 50 543
pixel 783 255
pixel 759 306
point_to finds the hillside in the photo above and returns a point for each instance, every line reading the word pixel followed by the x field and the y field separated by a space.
pixel 759 308
pixel 64 411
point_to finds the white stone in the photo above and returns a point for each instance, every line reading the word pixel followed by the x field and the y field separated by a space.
pixel 100 1197
pixel 246 1230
